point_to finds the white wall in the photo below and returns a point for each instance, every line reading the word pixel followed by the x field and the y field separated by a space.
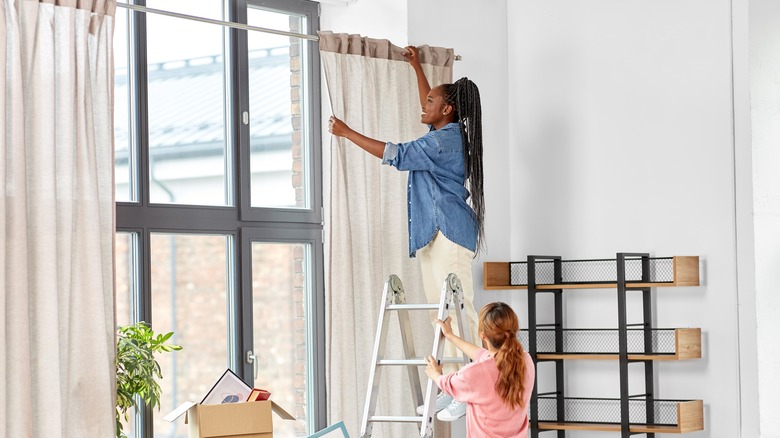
pixel 372 18
pixel 621 114
pixel 621 139
pixel 765 95
pixel 610 126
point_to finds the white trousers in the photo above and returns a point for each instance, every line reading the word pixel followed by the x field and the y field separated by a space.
pixel 438 259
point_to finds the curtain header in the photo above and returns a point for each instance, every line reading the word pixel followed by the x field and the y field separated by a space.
pixel 102 7
pixel 353 44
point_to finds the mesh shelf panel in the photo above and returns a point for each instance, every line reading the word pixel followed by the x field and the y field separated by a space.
pixel 600 410
pixel 592 271
pixel 601 341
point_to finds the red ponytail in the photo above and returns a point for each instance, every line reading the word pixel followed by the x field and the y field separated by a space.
pixel 498 323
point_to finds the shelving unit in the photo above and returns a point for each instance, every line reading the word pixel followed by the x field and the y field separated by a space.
pixel 603 344
pixel 628 343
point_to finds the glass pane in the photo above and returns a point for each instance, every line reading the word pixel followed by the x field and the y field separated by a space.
pixel 126 254
pixel 187 155
pixel 200 8
pixel 189 298
pixel 125 286
pixel 280 291
pixel 124 169
pixel 278 151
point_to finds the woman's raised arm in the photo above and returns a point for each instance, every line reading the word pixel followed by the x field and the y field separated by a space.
pixel 423 87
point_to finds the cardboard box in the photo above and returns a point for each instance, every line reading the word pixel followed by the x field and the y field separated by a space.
pixel 230 420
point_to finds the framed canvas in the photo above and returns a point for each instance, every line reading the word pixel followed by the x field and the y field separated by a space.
pixel 228 389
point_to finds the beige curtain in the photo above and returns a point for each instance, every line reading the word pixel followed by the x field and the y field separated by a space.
pixel 57 375
pixel 373 89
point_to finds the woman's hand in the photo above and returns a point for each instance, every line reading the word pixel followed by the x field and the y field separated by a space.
pixel 446 326
pixel 337 127
pixel 433 369
pixel 423 87
pixel 412 55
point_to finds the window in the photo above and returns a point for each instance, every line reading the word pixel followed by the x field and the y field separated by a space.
pixel 218 189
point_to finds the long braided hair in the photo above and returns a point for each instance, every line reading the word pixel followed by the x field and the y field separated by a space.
pixel 498 323
pixel 463 95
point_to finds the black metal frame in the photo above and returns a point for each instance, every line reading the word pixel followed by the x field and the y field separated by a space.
pixel 533 326
pixel 650 422
pixel 649 335
pixel 622 290
pixel 623 287
pixel 561 281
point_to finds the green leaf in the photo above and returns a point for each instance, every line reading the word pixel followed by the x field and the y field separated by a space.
pixel 137 370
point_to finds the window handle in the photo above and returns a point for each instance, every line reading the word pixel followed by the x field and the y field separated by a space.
pixel 251 358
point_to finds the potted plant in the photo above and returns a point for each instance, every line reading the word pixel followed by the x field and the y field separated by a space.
pixel 137 370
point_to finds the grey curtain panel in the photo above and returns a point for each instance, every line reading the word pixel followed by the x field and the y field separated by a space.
pixel 373 89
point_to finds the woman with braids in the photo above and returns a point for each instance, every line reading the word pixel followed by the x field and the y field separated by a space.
pixel 497 385
pixel 445 229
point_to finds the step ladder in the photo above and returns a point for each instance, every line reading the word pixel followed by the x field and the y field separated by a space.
pixel 394 300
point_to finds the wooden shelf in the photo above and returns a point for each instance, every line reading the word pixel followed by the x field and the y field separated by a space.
pixel 686 273
pixel 687 345
pixel 690 418
pixel 645 414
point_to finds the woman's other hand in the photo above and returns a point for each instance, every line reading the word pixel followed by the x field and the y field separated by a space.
pixel 446 326
pixel 412 55
pixel 433 369
pixel 337 127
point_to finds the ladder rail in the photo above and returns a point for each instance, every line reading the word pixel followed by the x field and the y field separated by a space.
pixel 451 299
pixel 378 354
pixel 408 344
pixel 394 299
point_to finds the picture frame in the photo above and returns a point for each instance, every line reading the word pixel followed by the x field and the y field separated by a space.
pixel 228 389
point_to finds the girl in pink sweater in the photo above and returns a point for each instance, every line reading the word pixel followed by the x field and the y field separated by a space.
pixel 497 385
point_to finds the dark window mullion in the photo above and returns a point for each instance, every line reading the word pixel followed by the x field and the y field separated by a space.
pixel 239 79
pixel 138 78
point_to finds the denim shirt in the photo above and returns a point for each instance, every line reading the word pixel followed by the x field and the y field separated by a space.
pixel 436 193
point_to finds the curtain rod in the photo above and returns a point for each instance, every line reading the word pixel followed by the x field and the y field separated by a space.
pixel 217 22
pixel 224 23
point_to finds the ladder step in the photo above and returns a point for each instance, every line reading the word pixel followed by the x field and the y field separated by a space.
pixel 391 419
pixel 417 361
pixel 413 307
pixel 401 362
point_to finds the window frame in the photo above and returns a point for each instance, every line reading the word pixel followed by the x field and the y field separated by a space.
pixel 315 309
pixel 313 214
pixel 241 222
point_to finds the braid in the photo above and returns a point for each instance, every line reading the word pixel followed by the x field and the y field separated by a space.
pixel 464 96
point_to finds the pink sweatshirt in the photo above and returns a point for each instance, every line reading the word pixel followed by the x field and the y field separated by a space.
pixel 486 414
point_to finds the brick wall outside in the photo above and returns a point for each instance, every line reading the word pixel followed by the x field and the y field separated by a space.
pixel 200 308
pixel 298 182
